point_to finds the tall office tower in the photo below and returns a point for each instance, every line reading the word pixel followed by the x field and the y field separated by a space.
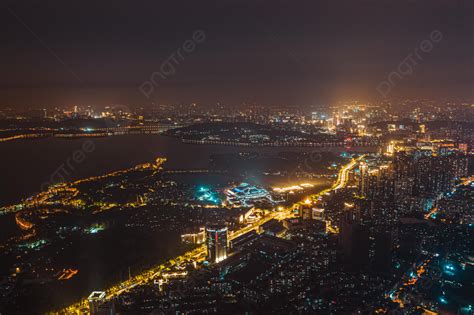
pixel 217 243
pixel 306 212
pixel 99 305
pixel 385 189
pixel 354 242
pixel 459 166
pixel 376 180
pixel 318 214
pixel 383 238
pixel 403 171
pixel 363 179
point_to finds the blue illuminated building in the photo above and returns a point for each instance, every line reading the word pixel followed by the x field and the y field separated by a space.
pixel 245 194
pixel 207 195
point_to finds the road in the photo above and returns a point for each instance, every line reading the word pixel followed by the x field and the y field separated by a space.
pixel 199 254
pixel 343 177
pixel 434 211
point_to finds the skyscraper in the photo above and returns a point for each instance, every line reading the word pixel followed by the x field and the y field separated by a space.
pixel 375 180
pixel 99 305
pixel 354 242
pixel 216 241
pixel 383 238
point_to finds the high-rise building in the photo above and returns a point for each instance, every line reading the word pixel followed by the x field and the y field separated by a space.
pixel 383 239
pixel 354 242
pixel 318 214
pixel 306 212
pixel 404 169
pixel 415 173
pixel 194 237
pixel 376 180
pixel 99 305
pixel 217 243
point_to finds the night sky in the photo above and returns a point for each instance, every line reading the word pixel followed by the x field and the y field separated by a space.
pixel 266 52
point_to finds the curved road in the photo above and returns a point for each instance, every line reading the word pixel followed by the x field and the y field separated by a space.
pixel 199 254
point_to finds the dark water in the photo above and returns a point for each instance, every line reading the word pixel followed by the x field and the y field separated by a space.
pixel 27 164
pixel 8 228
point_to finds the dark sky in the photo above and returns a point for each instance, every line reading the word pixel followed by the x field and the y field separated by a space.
pixel 271 52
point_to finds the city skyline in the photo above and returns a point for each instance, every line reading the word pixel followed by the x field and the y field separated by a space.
pixel 236 157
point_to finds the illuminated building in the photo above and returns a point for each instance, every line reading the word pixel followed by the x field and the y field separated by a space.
pixel 242 240
pixel 391 148
pixel 363 179
pixel 245 194
pixel 463 147
pixel 99 305
pixel 194 237
pixel 207 195
pixel 318 214
pixel 438 173
pixel 217 243
pixel 403 173
pixel 293 224
pixel 383 239
pixel 249 217
pixel 306 212
pixel 272 228
pixel 354 242
pixel 293 189
pixel 375 180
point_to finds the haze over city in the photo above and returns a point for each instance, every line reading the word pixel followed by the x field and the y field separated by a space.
pixel 236 157
pixel 265 52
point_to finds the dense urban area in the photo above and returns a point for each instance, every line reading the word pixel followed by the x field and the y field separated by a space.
pixel 361 209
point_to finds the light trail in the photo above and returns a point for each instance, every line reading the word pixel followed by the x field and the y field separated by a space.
pixel 22 223
pixel 343 177
pixel 341 182
pixel 67 274
pixel 411 277
pixel 434 211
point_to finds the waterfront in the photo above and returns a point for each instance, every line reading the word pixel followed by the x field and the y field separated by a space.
pixel 69 239
pixel 199 253
pixel 36 160
pixel 27 164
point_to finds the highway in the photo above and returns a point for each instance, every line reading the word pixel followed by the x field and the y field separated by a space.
pixel 199 254
pixel 343 177
pixel 341 182
pixel 434 211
